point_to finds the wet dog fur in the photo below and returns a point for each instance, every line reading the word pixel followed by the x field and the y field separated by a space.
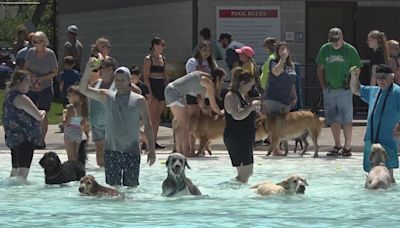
pixel 60 173
pixel 293 184
pixel 292 125
pixel 379 176
pixel 89 186
pixel 176 183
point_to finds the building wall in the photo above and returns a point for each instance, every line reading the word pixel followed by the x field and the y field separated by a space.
pixel 130 29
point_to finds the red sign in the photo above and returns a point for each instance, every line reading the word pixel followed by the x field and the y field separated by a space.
pixel 248 13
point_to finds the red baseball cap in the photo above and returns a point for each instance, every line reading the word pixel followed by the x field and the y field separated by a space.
pixel 246 50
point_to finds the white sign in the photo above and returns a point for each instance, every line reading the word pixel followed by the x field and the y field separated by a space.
pixel 250 25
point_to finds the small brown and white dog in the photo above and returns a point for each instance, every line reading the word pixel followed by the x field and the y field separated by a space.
pixel 379 176
pixel 89 186
pixel 208 128
pixel 176 183
pixel 292 125
pixel 293 184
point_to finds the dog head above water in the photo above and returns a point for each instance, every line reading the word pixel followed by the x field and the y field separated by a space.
pixel 176 164
pixel 50 161
pixel 378 154
pixel 88 185
pixel 294 184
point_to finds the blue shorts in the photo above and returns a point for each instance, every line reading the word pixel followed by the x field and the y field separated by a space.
pixel 338 105
pixel 122 166
pixel 98 134
pixel 42 99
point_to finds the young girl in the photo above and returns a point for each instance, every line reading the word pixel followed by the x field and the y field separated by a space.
pixel 246 54
pixel 376 40
pixel 75 119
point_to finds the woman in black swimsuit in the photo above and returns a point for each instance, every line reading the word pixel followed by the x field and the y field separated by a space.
pixel 155 78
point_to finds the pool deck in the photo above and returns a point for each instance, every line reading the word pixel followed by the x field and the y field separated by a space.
pixel 55 141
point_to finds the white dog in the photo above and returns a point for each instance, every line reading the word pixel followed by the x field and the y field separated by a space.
pixel 177 184
pixel 293 184
pixel 379 176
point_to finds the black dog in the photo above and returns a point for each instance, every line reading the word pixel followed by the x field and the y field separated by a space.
pixel 57 173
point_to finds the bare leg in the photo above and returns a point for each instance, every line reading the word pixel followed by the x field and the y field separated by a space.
pixel 335 128
pixel 44 127
pixel 193 111
pixel 391 175
pixel 154 116
pixel 244 173
pixel 13 172
pixel 99 152
pixel 347 131
pixel 181 132
pixel 22 172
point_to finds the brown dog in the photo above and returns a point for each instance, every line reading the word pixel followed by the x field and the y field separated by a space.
pixel 208 128
pixel 293 184
pixel 379 176
pixel 89 186
pixel 292 125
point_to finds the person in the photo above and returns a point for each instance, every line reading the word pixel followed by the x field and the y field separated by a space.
pixel 376 40
pixel 230 45
pixel 205 34
pixel 383 114
pixel 270 46
pixel 101 49
pixel 156 79
pixel 74 121
pixel 96 109
pixel 69 76
pixel 334 61
pixel 196 83
pixel 21 54
pixel 124 111
pixel 394 61
pixel 204 61
pixel 21 122
pixel 73 47
pixel 240 116
pixel 281 95
pixel 41 62
pixel 246 54
pixel 22 39
pixel 135 80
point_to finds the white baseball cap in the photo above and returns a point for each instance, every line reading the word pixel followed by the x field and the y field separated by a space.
pixel 73 29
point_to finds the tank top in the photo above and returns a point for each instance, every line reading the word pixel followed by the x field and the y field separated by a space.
pixel 245 127
pixel 75 120
pixel 156 68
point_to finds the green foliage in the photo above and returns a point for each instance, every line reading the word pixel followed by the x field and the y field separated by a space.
pixel 12 16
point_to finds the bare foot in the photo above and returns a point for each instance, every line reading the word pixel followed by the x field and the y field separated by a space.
pixel 278 153
pixel 190 155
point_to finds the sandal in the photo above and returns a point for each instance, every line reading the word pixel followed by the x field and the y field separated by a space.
pixel 346 152
pixel 334 151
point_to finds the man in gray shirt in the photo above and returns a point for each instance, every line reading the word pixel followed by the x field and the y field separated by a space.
pixel 73 47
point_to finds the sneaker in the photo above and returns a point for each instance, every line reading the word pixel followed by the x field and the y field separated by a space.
pixel 335 151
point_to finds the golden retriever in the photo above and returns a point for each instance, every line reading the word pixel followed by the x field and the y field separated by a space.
pixel 293 184
pixel 292 125
pixel 379 176
pixel 89 186
pixel 208 128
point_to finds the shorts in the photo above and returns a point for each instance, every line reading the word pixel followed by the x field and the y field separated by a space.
pixel 273 107
pixel 73 134
pixel 192 100
pixel 21 155
pixel 338 105
pixel 42 99
pixel 98 134
pixel 157 88
pixel 119 165
pixel 174 97
pixel 240 149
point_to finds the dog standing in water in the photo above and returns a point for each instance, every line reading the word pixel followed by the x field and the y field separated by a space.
pixel 379 176
pixel 177 184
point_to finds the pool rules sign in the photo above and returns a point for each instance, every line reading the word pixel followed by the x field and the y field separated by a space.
pixel 250 25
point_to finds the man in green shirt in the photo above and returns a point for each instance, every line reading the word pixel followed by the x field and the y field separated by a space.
pixel 334 60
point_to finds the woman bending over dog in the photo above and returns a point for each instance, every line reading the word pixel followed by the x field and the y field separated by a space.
pixel 198 84
pixel 240 128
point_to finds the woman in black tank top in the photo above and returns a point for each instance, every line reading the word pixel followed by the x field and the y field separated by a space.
pixel 155 79
pixel 240 128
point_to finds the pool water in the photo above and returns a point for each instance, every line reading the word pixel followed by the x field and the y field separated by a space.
pixel 335 197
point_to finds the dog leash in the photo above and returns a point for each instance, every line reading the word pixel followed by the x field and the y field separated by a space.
pixel 376 140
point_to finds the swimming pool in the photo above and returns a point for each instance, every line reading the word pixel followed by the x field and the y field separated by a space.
pixel 335 197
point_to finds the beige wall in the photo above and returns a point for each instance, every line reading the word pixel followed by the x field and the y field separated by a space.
pixel 130 30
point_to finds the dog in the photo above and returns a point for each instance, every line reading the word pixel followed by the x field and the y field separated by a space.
pixel 177 184
pixel 57 173
pixel 292 125
pixel 293 184
pixel 299 141
pixel 208 128
pixel 379 176
pixel 89 186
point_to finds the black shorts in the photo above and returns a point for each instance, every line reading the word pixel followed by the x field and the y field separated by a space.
pixel 192 100
pixel 240 149
pixel 21 155
pixel 157 88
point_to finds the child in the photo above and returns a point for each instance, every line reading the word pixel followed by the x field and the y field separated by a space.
pixel 75 119
pixel 246 54
pixel 68 77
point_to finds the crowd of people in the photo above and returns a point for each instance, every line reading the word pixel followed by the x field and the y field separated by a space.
pixel 115 102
